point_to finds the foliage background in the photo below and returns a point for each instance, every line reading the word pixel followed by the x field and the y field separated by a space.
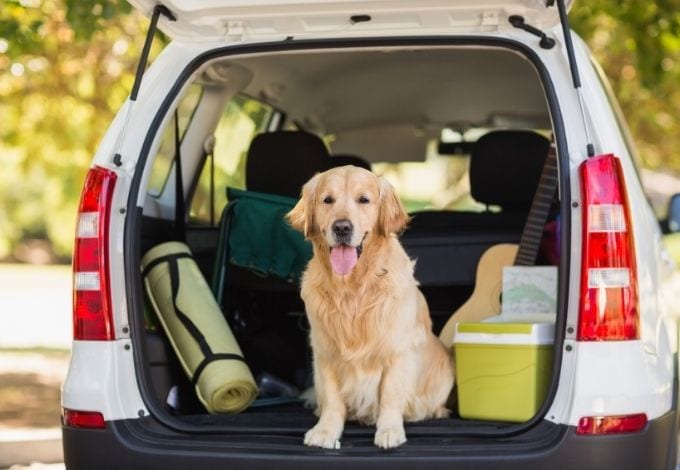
pixel 67 65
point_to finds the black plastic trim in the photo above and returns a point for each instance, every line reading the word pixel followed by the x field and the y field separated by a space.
pixel 136 444
pixel 133 222
pixel 156 13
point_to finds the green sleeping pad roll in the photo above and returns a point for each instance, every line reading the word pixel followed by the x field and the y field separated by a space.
pixel 197 330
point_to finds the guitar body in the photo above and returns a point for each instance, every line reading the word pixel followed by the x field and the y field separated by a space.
pixel 485 300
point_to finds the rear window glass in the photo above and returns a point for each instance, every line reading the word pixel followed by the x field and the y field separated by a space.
pixel 166 151
pixel 242 119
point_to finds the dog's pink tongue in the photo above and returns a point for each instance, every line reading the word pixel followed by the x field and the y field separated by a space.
pixel 343 259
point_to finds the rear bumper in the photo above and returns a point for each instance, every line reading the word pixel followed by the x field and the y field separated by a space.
pixel 141 444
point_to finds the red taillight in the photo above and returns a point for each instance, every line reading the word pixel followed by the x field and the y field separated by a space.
pixel 609 301
pixel 593 425
pixel 91 289
pixel 83 419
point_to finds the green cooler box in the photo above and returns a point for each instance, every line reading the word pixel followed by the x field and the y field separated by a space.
pixel 502 369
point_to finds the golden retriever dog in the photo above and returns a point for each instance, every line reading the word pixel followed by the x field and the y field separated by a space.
pixel 376 359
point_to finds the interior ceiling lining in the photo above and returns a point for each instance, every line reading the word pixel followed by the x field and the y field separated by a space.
pixel 363 91
pixel 345 89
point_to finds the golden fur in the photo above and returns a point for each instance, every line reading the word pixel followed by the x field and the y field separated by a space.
pixel 376 359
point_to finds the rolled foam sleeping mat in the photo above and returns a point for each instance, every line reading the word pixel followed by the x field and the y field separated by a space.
pixel 199 334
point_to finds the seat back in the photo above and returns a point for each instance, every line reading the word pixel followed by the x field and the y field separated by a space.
pixel 505 167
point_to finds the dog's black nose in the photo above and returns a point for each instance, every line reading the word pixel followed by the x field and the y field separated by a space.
pixel 342 228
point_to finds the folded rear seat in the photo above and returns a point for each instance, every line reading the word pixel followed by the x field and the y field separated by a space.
pixel 505 167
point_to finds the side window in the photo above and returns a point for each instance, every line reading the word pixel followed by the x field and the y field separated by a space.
pixel 242 119
pixel 166 150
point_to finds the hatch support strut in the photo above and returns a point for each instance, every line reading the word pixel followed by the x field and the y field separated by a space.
pixel 158 10
pixel 576 79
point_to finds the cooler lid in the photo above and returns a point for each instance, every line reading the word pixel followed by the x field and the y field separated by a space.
pixel 505 333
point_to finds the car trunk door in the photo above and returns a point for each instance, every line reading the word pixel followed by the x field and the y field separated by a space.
pixel 261 20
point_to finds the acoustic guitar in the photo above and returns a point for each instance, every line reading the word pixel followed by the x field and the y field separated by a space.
pixel 485 300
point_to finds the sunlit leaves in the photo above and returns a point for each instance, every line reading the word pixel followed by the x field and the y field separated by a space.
pixel 65 69
pixel 20 27
pixel 638 45
pixel 87 17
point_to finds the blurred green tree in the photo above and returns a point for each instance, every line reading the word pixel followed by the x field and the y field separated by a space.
pixel 638 46
pixel 66 66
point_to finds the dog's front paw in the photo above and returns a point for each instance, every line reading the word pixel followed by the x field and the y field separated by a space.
pixel 322 437
pixel 390 437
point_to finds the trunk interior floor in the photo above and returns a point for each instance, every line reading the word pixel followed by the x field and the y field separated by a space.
pixel 279 430
pixel 297 419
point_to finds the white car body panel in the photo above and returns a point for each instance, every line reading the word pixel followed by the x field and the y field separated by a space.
pixel 596 378
pixel 101 377
pixel 235 20
pixel 619 378
pixel 613 377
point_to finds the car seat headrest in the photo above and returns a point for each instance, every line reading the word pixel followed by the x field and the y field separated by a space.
pixel 281 162
pixel 346 159
pixel 505 167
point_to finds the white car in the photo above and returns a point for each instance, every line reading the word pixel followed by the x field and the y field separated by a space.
pixel 456 103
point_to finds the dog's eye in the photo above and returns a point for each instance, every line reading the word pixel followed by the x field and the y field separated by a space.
pixel 364 200
pixel 328 200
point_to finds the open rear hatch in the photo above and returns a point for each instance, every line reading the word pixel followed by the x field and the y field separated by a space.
pixel 262 20
pixel 258 20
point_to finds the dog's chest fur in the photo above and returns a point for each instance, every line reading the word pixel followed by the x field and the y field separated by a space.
pixel 359 324
pixel 361 329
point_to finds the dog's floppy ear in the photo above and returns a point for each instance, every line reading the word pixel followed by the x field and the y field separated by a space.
pixel 393 217
pixel 301 217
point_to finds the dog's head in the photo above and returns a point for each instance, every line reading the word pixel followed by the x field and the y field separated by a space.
pixel 345 208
